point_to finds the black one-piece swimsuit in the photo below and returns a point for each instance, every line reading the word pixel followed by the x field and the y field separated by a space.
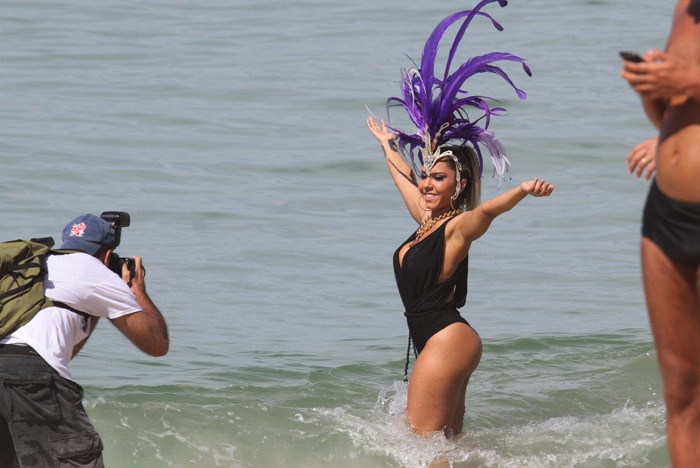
pixel 426 302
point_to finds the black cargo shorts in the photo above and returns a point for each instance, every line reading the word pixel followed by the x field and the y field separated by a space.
pixel 42 418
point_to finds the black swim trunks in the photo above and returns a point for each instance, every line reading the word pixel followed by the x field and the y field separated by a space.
pixel 672 225
pixel 427 304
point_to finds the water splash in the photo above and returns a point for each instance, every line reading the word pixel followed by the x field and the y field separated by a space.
pixel 626 437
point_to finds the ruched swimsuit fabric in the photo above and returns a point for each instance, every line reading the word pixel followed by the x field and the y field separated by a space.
pixel 426 302
pixel 672 225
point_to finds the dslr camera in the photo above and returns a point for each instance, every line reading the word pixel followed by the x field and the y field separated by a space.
pixel 118 220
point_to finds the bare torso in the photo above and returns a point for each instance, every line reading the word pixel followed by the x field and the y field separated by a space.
pixel 678 157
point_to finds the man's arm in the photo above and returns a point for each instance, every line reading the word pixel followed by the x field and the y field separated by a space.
pixel 659 79
pixel 669 76
pixel 146 329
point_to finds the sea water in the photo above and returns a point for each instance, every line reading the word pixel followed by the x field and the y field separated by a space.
pixel 234 133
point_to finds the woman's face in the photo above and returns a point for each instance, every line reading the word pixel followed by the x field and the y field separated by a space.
pixel 438 188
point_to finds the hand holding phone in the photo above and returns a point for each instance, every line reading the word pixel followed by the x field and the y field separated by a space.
pixel 631 56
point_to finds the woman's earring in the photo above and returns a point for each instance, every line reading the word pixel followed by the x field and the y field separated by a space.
pixel 420 197
pixel 457 190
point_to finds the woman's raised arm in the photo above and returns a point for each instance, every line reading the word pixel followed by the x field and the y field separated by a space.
pixel 473 224
pixel 398 168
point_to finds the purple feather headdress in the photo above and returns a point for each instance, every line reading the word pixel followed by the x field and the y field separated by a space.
pixel 438 107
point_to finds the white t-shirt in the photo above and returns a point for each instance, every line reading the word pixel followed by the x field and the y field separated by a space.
pixel 80 281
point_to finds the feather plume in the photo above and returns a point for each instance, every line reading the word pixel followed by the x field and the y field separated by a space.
pixel 438 107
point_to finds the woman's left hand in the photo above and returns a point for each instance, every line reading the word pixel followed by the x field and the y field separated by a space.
pixel 537 188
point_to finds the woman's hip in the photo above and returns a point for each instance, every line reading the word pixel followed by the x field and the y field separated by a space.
pixel 425 326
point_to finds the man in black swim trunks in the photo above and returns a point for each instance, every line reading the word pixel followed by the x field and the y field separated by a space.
pixel 668 84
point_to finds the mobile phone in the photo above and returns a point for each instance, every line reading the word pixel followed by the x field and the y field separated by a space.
pixel 631 56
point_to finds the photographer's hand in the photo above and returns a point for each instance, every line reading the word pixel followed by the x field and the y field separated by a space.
pixel 146 329
pixel 139 273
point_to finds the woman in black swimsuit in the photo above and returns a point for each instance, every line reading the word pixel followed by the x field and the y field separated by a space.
pixel 431 266
pixel 431 273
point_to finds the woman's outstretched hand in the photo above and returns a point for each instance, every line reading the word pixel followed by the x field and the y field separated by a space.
pixel 643 156
pixel 380 132
pixel 537 188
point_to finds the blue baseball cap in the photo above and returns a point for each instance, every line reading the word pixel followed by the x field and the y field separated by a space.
pixel 88 233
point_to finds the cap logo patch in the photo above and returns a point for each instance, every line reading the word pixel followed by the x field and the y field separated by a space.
pixel 78 230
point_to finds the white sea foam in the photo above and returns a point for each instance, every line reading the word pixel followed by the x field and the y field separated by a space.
pixel 622 438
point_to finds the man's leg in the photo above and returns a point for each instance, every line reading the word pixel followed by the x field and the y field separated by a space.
pixel 673 301
pixel 7 448
pixel 45 416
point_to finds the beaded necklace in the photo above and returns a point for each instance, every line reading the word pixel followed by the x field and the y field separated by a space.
pixel 429 222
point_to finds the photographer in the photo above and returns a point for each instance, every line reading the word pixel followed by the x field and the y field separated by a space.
pixel 42 419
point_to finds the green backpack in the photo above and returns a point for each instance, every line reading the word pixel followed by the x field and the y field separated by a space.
pixel 22 273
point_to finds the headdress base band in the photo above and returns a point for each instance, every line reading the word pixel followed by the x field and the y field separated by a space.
pixel 429 160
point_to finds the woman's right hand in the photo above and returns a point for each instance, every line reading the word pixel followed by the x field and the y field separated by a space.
pixel 380 132
pixel 399 169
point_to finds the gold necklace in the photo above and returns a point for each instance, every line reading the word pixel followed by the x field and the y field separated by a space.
pixel 429 222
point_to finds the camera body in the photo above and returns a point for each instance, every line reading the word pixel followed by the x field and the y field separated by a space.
pixel 115 263
pixel 118 220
